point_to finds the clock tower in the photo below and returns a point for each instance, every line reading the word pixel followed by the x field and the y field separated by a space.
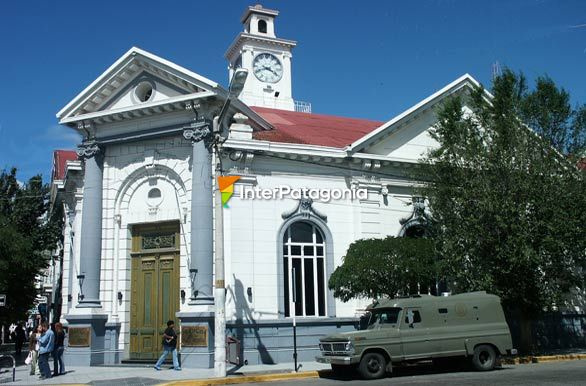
pixel 267 59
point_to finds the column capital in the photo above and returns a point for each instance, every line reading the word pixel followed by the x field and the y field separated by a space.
pixel 88 149
pixel 198 131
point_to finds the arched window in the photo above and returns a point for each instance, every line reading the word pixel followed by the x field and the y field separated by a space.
pixel 304 270
pixel 262 26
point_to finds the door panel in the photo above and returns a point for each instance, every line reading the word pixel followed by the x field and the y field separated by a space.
pixel 415 335
pixel 155 298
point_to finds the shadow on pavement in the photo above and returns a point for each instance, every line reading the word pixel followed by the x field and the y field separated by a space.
pixel 351 373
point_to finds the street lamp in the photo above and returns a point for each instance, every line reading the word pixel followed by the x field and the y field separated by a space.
pixel 234 89
pixel 80 279
pixel 193 275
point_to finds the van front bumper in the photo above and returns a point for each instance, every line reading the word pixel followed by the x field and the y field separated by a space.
pixel 338 360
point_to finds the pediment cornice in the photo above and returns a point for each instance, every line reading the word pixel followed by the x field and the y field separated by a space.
pixel 244 38
pixel 132 64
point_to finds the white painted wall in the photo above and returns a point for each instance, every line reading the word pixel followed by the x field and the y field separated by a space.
pixel 409 141
pixel 252 226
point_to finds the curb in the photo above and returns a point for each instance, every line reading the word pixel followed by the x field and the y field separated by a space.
pixel 244 379
pixel 544 359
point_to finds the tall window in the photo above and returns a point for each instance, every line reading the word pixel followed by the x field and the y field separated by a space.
pixel 262 26
pixel 304 270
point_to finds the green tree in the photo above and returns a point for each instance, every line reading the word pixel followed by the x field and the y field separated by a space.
pixel 508 207
pixel 26 236
pixel 375 268
pixel 547 110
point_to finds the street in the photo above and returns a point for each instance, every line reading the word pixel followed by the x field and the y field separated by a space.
pixel 554 373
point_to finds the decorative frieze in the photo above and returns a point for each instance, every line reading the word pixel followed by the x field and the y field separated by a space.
pixel 158 241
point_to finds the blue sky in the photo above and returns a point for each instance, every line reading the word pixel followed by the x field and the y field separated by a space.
pixel 369 59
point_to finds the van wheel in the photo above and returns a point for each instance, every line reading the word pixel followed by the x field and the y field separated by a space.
pixel 372 366
pixel 484 358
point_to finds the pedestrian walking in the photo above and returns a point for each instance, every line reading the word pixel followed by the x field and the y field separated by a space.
pixel 46 344
pixel 33 347
pixel 20 337
pixel 58 365
pixel 169 346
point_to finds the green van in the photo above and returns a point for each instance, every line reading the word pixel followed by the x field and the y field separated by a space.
pixel 422 327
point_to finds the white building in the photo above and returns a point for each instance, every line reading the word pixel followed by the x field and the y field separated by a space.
pixel 139 209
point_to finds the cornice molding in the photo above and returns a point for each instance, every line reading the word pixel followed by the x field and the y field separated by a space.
pixel 238 42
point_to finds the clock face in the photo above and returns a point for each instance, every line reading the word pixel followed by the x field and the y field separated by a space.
pixel 267 68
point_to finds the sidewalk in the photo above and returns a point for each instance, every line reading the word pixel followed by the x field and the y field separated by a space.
pixel 105 375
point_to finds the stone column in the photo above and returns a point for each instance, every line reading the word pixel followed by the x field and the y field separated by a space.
pixel 90 256
pixel 201 261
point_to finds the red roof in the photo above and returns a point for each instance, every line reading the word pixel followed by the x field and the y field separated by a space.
pixel 312 129
pixel 60 158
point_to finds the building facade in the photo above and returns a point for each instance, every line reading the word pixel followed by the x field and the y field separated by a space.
pixel 140 214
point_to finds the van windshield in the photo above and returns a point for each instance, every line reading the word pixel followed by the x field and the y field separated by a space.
pixel 386 316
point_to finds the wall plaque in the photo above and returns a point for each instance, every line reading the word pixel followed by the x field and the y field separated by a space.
pixel 79 337
pixel 194 336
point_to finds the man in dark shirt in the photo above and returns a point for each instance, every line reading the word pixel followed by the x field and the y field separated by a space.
pixel 169 346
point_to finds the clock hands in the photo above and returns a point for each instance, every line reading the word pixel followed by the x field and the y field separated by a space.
pixel 271 70
pixel 267 68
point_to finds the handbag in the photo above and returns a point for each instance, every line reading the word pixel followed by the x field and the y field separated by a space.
pixel 29 358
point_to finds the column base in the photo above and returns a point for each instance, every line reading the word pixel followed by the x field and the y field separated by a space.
pixel 111 350
pixel 197 339
pixel 86 342
pixel 89 303
pixel 201 301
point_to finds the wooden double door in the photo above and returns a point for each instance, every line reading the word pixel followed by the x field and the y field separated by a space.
pixel 154 287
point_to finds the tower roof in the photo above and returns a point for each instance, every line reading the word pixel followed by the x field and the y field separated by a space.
pixel 258 9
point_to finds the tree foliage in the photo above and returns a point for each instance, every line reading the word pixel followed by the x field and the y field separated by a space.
pixel 26 236
pixel 547 110
pixel 374 268
pixel 509 207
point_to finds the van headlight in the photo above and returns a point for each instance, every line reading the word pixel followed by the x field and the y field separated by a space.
pixel 349 348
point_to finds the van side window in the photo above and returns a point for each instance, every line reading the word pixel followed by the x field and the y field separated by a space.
pixel 384 318
pixel 412 318
pixel 442 310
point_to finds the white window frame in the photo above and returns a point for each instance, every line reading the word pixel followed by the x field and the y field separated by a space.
pixel 314 258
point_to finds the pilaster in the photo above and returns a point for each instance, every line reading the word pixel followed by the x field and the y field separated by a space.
pixel 91 228
pixel 201 259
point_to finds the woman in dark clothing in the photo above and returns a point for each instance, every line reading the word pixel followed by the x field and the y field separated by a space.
pixel 20 338
pixel 58 366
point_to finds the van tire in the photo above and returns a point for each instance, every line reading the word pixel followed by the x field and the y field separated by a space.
pixel 484 358
pixel 372 366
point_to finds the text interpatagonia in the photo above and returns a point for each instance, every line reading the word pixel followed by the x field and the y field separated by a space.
pixel 322 194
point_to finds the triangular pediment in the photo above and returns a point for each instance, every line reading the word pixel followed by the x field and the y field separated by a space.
pixel 407 136
pixel 136 80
